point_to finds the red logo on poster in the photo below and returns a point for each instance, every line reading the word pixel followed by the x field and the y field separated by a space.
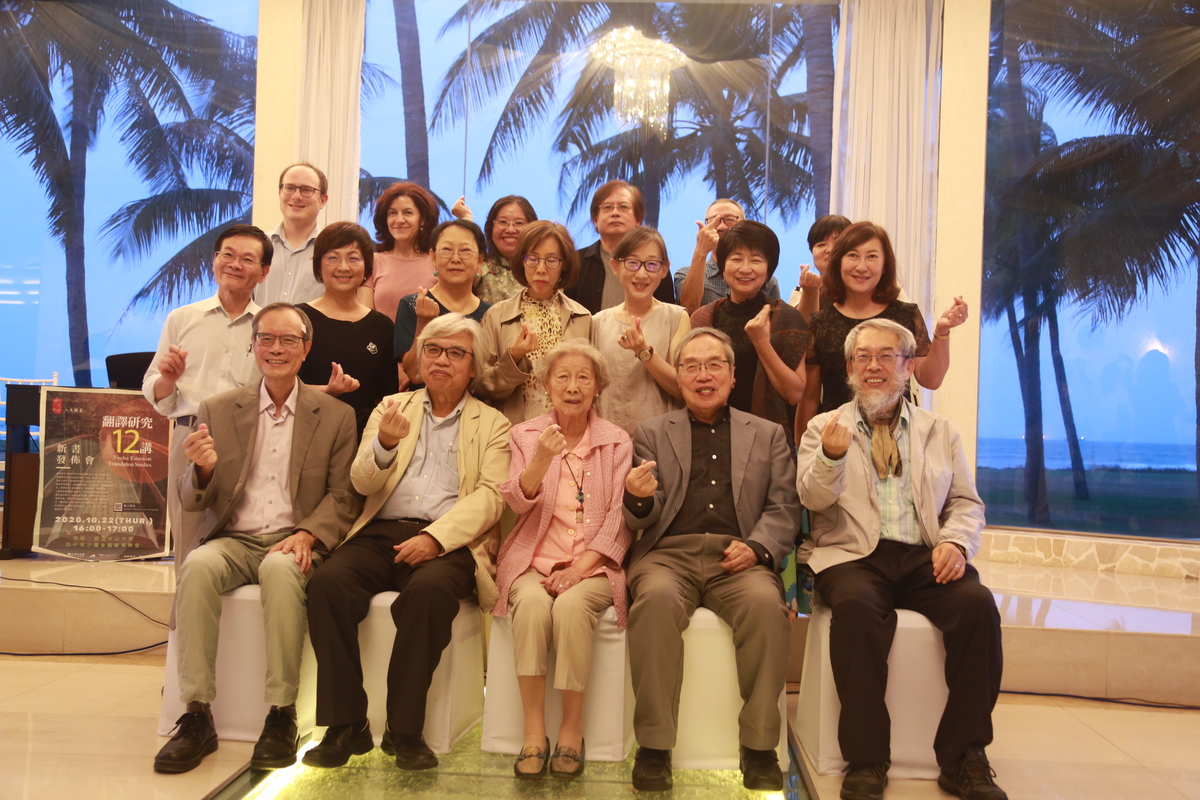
pixel 56 405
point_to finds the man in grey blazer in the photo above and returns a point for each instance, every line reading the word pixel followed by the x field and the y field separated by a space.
pixel 270 466
pixel 713 492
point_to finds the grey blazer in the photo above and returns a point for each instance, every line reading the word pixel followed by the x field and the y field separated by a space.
pixel 324 440
pixel 764 480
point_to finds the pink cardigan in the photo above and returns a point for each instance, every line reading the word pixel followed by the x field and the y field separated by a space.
pixel 604 471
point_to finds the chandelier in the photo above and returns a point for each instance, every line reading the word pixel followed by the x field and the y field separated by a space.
pixel 642 80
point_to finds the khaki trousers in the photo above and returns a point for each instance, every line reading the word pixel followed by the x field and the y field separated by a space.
pixel 215 567
pixel 568 620
pixel 667 584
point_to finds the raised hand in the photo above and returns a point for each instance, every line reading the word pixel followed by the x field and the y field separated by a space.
pixel 393 426
pixel 835 438
pixel 707 236
pixel 954 316
pixel 640 482
pixel 427 308
pixel 551 442
pixel 172 365
pixel 460 209
pixel 526 343
pixel 340 382
pixel 633 338
pixel 759 328
pixel 200 447
pixel 810 279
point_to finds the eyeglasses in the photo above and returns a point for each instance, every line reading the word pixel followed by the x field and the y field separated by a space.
pixel 608 208
pixel 431 350
pixel 711 367
pixel 728 219
pixel 249 262
pixel 884 359
pixel 287 340
pixel 333 260
pixel 551 262
pixel 510 223
pixel 463 253
pixel 633 265
pixel 291 188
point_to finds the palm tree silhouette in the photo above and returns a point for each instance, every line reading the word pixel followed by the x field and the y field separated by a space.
pixel 138 58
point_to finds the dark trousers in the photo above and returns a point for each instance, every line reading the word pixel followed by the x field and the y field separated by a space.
pixel 339 596
pixel 864 596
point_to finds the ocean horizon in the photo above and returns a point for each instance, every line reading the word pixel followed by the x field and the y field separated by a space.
pixel 1010 453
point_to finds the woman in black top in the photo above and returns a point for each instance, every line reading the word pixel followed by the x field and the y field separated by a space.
pixel 352 345
pixel 861 283
pixel 458 248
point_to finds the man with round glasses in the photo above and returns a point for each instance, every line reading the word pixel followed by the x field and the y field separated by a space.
pixel 430 465
pixel 617 208
pixel 895 520
pixel 303 193
pixel 712 490
pixel 695 291
pixel 270 468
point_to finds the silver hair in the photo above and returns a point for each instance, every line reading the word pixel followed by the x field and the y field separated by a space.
pixel 568 347
pixel 305 323
pixel 905 340
pixel 720 336
pixel 449 325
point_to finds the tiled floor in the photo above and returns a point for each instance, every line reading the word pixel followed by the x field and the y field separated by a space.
pixel 72 729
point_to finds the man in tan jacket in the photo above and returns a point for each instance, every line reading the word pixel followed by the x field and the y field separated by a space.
pixel 895 518
pixel 430 465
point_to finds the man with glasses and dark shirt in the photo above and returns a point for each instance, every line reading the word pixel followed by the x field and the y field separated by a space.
pixel 713 492
pixel 204 350
pixel 430 466
pixel 302 196
pixel 701 282
pixel 270 464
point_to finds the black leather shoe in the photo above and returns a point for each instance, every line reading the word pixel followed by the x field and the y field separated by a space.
pixel 972 778
pixel 196 738
pixel 339 743
pixel 411 752
pixel 865 781
pixel 760 770
pixel 652 770
pixel 276 747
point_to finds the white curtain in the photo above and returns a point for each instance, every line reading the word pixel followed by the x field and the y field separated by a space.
pixel 328 118
pixel 885 129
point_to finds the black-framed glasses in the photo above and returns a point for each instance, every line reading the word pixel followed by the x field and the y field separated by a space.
pixel 884 359
pixel 711 367
pixel 728 219
pixel 291 188
pixel 287 340
pixel 552 262
pixel 633 265
pixel 454 353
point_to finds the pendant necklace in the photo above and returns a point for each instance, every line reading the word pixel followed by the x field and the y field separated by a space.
pixel 578 491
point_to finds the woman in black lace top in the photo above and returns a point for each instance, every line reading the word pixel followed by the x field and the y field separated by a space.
pixel 861 282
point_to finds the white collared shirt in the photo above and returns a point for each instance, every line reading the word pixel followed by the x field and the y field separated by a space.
pixel 266 505
pixel 218 355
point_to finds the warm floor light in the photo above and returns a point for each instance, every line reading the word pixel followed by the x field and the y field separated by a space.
pixel 642 80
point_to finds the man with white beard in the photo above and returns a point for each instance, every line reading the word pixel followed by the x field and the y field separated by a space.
pixel 895 519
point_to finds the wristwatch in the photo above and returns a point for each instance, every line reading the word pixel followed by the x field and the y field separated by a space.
pixel 646 355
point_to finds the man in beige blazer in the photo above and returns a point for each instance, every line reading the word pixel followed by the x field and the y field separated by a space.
pixel 270 467
pixel 430 465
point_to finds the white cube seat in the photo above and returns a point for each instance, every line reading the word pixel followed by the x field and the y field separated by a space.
pixel 608 704
pixel 453 706
pixel 710 701
pixel 916 696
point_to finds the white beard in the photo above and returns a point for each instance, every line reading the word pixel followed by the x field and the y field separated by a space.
pixel 878 403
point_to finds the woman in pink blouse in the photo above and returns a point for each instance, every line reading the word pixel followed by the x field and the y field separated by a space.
pixel 405 216
pixel 560 568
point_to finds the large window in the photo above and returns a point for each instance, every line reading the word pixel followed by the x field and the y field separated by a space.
pixel 491 99
pixel 1087 396
pixel 126 140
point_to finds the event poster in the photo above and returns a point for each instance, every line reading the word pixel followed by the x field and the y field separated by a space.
pixel 104 476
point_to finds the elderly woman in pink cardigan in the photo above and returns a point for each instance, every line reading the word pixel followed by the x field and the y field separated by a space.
pixel 560 568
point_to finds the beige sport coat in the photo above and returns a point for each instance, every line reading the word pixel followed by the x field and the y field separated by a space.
pixel 483 458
